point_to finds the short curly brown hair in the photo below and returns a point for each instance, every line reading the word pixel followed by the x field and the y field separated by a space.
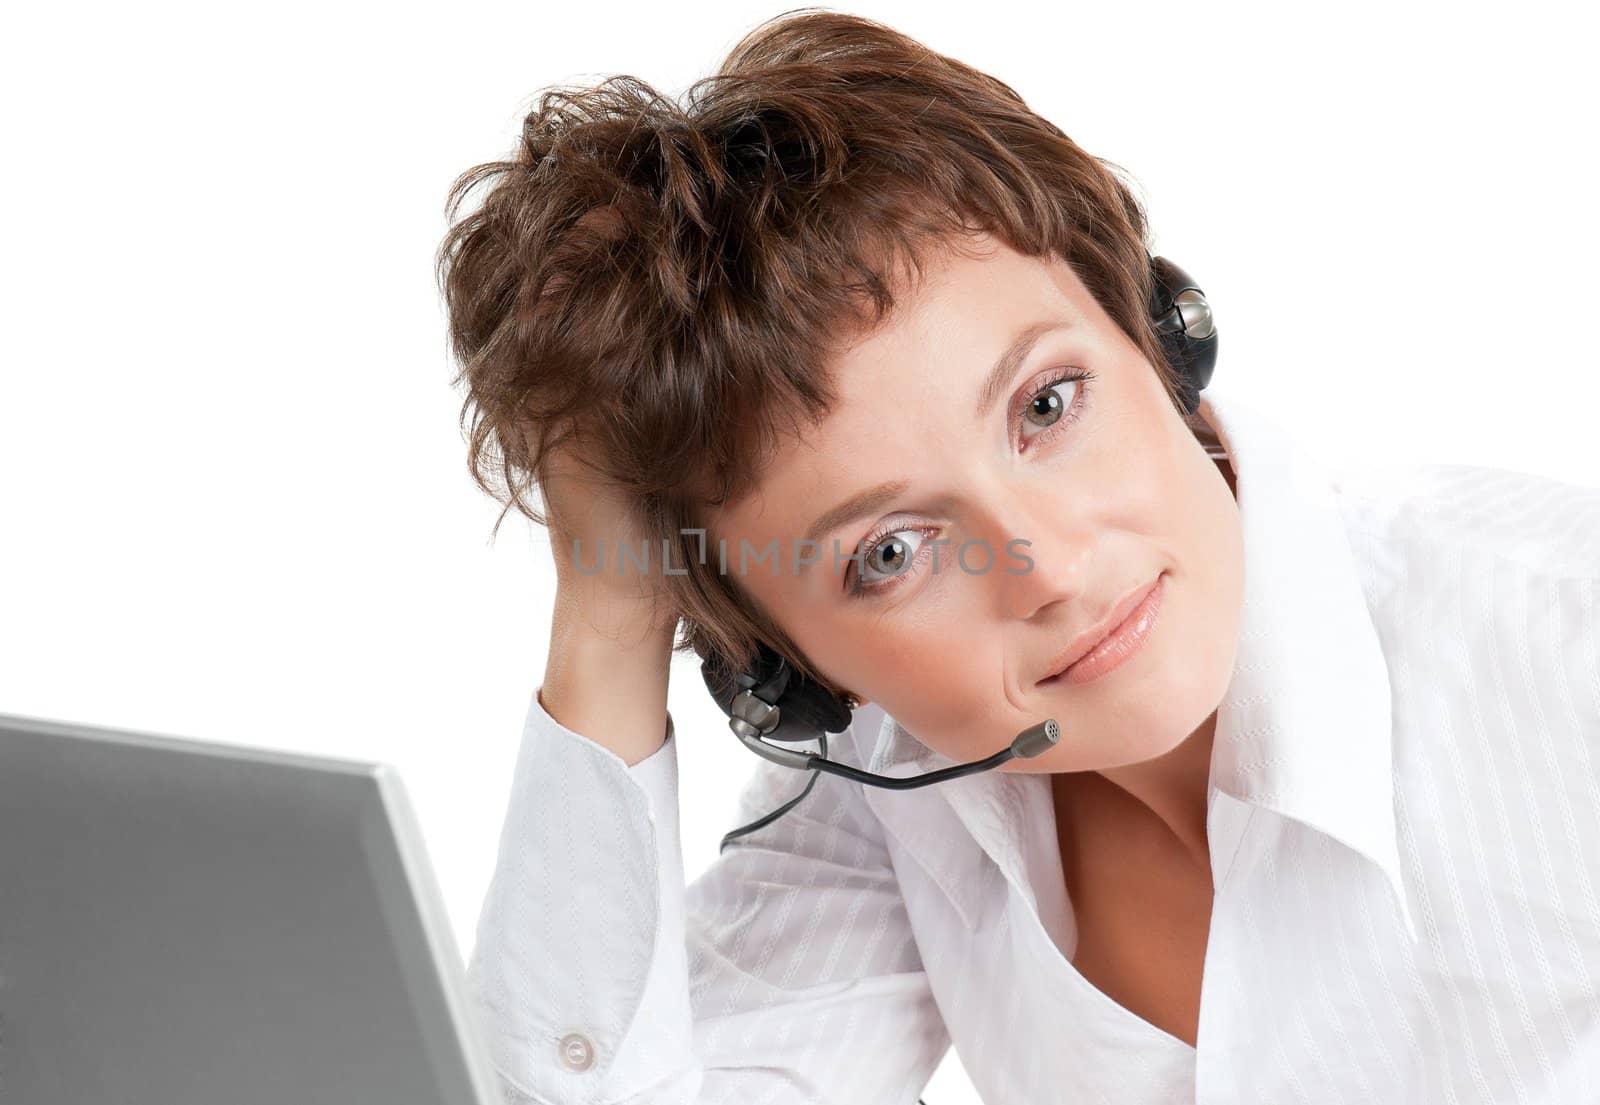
pixel 672 279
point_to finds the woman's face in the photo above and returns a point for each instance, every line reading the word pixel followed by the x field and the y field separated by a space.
pixel 1098 482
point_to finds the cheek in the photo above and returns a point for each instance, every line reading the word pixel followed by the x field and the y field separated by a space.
pixel 965 717
pixel 1219 541
pixel 1214 597
pixel 946 672
pixel 940 684
pixel 910 667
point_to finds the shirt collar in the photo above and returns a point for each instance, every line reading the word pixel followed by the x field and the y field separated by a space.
pixel 1304 728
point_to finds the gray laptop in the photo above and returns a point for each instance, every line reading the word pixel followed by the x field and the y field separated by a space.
pixel 195 923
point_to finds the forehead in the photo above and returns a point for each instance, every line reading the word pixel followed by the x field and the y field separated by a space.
pixel 934 350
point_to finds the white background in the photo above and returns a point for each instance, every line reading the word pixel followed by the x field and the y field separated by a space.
pixel 233 497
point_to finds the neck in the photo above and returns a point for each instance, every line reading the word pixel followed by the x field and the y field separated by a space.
pixel 1170 791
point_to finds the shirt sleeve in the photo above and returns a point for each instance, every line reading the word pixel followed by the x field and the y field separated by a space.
pixel 787 973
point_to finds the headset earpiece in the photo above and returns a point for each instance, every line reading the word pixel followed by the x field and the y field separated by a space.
pixel 1188 333
pixel 771 700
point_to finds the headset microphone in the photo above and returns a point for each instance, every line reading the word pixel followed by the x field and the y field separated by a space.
pixel 752 718
pixel 772 700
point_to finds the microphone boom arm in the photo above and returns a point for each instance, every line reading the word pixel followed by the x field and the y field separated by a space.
pixel 1027 744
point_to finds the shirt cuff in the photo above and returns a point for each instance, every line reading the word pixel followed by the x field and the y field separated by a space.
pixel 579 968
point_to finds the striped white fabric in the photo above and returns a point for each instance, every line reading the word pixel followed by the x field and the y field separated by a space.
pixel 1404 832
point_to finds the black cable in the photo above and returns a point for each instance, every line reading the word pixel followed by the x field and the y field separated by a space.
pixel 910 782
pixel 822 740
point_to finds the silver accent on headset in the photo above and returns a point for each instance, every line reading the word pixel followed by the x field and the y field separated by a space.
pixel 1192 307
pixel 1036 739
pixel 784 757
pixel 755 715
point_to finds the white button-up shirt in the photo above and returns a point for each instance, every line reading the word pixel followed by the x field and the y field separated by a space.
pixel 1404 827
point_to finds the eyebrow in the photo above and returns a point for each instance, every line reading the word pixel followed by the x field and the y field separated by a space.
pixel 1012 358
pixel 874 499
pixel 870 501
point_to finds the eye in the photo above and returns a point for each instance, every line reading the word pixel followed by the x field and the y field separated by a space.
pixel 1048 410
pixel 889 559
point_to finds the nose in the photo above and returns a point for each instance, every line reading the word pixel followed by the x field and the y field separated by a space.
pixel 1053 566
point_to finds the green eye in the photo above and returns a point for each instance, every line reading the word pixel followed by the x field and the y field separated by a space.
pixel 891 558
pixel 1053 404
pixel 893 555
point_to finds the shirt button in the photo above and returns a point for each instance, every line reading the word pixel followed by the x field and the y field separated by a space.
pixel 577 1053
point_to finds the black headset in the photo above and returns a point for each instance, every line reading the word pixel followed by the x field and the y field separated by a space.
pixel 770 701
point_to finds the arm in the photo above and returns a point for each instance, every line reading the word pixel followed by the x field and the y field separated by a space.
pixel 786 974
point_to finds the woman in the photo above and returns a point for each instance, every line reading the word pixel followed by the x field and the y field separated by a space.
pixel 1323 823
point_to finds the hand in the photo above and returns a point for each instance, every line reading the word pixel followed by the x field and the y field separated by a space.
pixel 611 633
pixel 590 520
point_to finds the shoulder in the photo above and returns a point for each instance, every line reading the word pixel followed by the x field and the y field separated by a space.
pixel 1483 585
pixel 1529 523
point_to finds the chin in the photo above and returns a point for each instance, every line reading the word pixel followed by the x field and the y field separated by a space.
pixel 1149 722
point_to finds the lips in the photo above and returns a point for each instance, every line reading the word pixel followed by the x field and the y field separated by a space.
pixel 1085 642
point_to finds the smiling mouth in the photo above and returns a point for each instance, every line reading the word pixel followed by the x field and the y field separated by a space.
pixel 1136 616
